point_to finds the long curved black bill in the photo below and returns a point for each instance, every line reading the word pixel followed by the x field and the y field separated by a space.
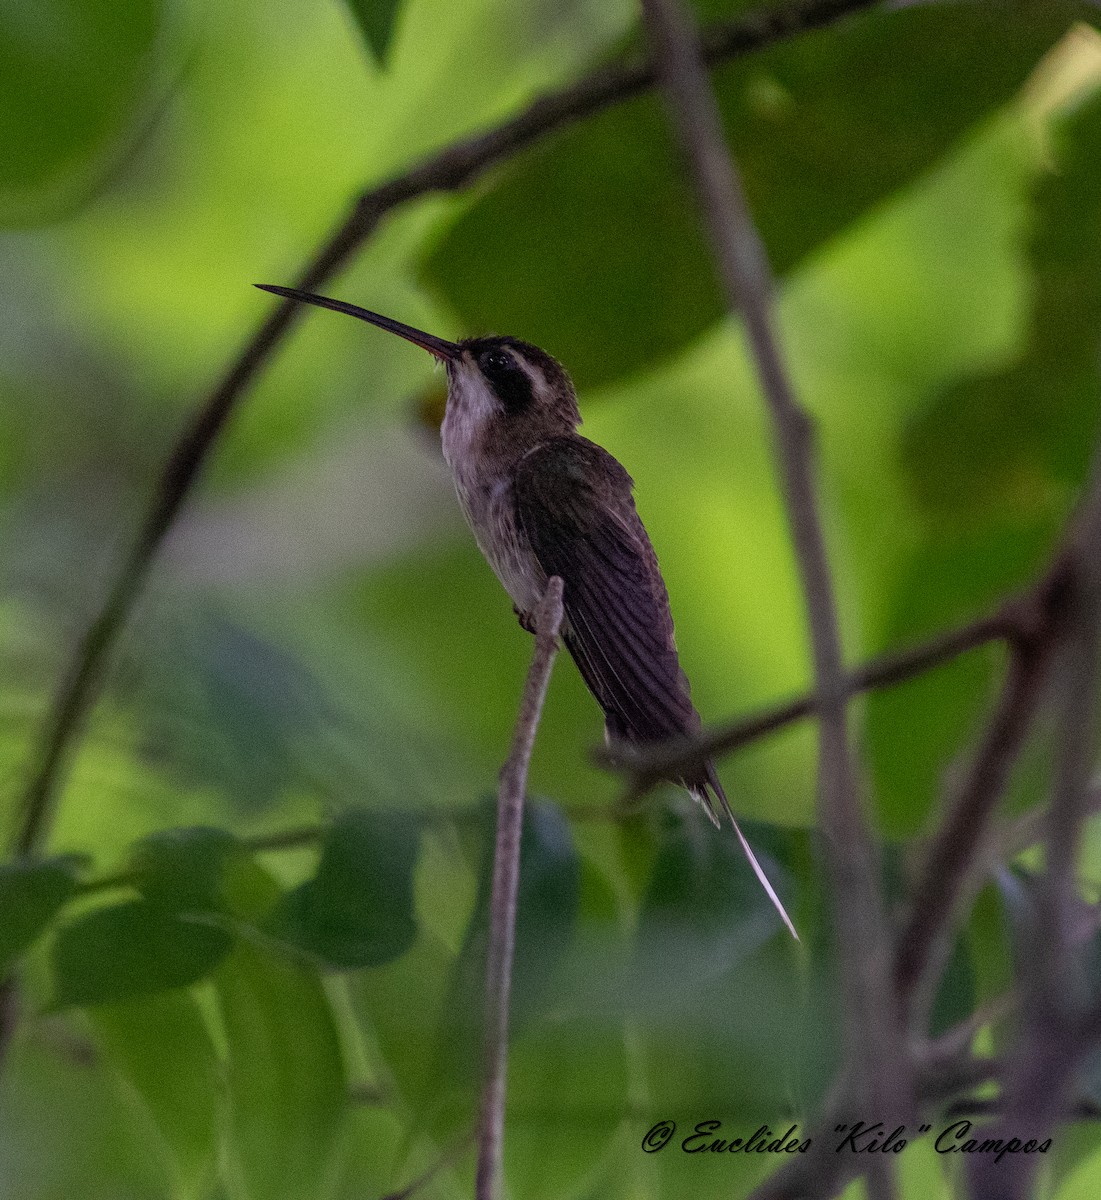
pixel 434 345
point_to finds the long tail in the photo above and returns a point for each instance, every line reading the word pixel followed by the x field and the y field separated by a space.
pixel 703 793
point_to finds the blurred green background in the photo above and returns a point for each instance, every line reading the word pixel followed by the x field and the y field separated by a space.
pixel 322 645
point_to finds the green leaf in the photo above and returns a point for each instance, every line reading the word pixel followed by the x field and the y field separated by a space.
pixel 956 995
pixel 435 1053
pixel 31 895
pixel 72 73
pixel 405 1032
pixel 69 1128
pixel 567 1093
pixel 1015 442
pixel 286 1079
pixel 376 20
pixel 994 462
pixel 357 911
pixel 590 244
pixel 183 868
pixel 200 869
pixel 161 1046
pixel 230 709
pixel 132 949
pixel 917 730
pixel 546 915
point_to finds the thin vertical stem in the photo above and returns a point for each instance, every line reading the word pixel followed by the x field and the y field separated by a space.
pixel 874 1043
pixel 506 882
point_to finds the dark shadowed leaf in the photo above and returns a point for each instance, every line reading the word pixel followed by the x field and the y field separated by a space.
pixel 72 73
pixel 549 891
pixel 736 1019
pixel 956 996
pixel 183 868
pixel 31 894
pixel 286 1080
pixel 376 20
pixel 357 911
pixel 546 916
pixel 704 910
pixel 200 869
pixel 132 949
pixel 590 245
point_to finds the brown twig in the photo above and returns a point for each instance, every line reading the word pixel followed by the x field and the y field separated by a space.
pixel 506 880
pixel 455 167
pixel 874 1045
pixel 647 766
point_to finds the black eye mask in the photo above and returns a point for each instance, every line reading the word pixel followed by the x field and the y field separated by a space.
pixel 508 379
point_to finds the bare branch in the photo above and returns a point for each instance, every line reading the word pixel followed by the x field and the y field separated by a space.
pixel 1056 1031
pixel 506 880
pixel 1031 828
pixel 954 865
pixel 647 766
pixel 453 168
pixel 874 1045
pixel 1037 625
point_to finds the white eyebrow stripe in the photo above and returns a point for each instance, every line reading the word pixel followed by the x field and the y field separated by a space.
pixel 535 374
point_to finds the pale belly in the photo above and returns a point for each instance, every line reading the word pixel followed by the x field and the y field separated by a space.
pixel 489 511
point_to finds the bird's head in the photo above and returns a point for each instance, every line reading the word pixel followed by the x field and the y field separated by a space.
pixel 494 381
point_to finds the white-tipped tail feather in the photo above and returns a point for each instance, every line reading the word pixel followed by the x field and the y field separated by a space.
pixel 703 794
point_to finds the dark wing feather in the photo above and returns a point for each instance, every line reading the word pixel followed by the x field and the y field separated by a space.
pixel 573 503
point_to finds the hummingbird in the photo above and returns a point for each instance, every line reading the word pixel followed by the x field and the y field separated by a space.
pixel 541 500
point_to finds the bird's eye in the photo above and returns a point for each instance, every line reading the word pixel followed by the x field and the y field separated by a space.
pixel 497 360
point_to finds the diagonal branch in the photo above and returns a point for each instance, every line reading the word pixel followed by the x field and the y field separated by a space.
pixel 647 766
pixel 453 168
pixel 954 864
pixel 506 881
pixel 874 1045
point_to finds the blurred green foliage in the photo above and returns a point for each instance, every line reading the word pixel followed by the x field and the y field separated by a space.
pixel 377 19
pixel 75 85
pixel 607 200
pixel 250 968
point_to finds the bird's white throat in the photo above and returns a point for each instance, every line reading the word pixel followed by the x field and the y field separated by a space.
pixel 471 406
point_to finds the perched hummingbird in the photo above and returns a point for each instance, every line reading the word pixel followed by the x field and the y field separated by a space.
pixel 542 501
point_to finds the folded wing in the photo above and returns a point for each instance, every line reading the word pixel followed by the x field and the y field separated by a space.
pixel 574 504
